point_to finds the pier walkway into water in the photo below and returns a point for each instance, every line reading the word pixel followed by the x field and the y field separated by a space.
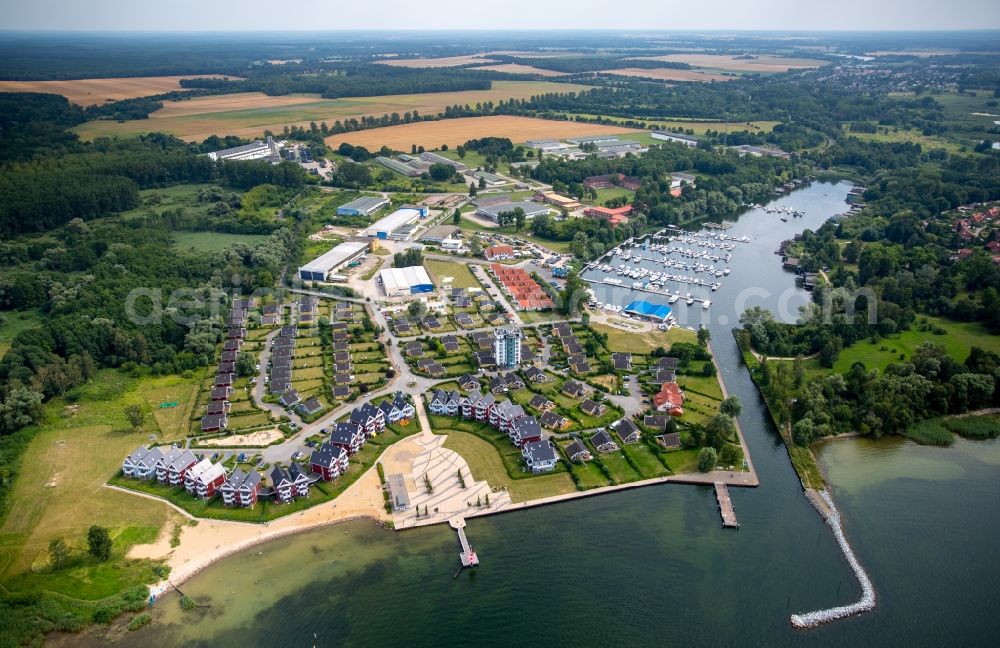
pixel 468 556
pixel 726 506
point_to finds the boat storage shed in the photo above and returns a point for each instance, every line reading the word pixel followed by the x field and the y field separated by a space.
pixel 320 268
pixel 642 308
pixel 405 281
pixel 384 227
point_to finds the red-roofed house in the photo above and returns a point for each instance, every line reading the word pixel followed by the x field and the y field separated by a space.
pixel 616 216
pixel 669 399
pixel 498 252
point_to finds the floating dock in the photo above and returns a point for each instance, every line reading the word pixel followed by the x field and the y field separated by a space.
pixel 726 506
pixel 652 291
pixel 467 555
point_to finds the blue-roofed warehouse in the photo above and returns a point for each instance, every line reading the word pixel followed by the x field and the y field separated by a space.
pixel 648 310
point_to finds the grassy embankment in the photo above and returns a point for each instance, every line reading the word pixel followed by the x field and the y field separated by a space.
pixel 803 459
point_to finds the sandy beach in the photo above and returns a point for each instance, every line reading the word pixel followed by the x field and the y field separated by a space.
pixel 212 540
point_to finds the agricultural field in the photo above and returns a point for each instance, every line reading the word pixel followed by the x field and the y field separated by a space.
pixel 453 132
pixel 730 63
pixel 88 92
pixel 667 74
pixel 519 68
pixel 249 114
pixel 443 62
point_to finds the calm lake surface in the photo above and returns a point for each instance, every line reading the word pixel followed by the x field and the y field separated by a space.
pixel 649 567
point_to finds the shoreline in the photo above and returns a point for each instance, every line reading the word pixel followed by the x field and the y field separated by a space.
pixel 196 551
pixel 184 566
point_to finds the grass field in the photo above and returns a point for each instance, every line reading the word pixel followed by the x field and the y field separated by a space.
pixel 60 490
pixel 433 134
pixel 212 241
pixel 249 114
pixel 460 275
pixel 14 323
pixel 486 465
pixel 88 92
pixel 912 136
pixel 959 339
pixel 644 341
pixel 556 246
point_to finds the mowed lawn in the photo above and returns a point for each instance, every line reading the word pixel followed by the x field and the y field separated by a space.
pixel 212 241
pixel 249 114
pixel 458 273
pixel 60 490
pixel 486 465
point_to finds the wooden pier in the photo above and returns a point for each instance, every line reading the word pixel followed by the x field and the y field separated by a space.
pixel 726 506
pixel 467 556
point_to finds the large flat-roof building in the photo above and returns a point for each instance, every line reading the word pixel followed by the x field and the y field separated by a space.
pixel 434 158
pixel 256 150
pixel 493 211
pixel 364 206
pixel 491 179
pixel 677 138
pixel 322 266
pixel 385 227
pixel 593 139
pixel 438 233
pixel 401 166
pixel 405 281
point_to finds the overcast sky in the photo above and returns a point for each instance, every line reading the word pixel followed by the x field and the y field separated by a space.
pixel 224 15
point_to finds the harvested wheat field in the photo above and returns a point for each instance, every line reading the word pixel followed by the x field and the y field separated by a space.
pixel 666 74
pixel 443 62
pixel 517 68
pixel 535 54
pixel 458 131
pixel 727 63
pixel 88 92
pixel 248 114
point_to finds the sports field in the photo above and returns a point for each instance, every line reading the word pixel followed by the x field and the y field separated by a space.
pixel 88 92
pixel 729 63
pixel 248 114
pixel 458 131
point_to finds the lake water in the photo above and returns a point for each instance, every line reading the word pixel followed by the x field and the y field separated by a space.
pixel 648 567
